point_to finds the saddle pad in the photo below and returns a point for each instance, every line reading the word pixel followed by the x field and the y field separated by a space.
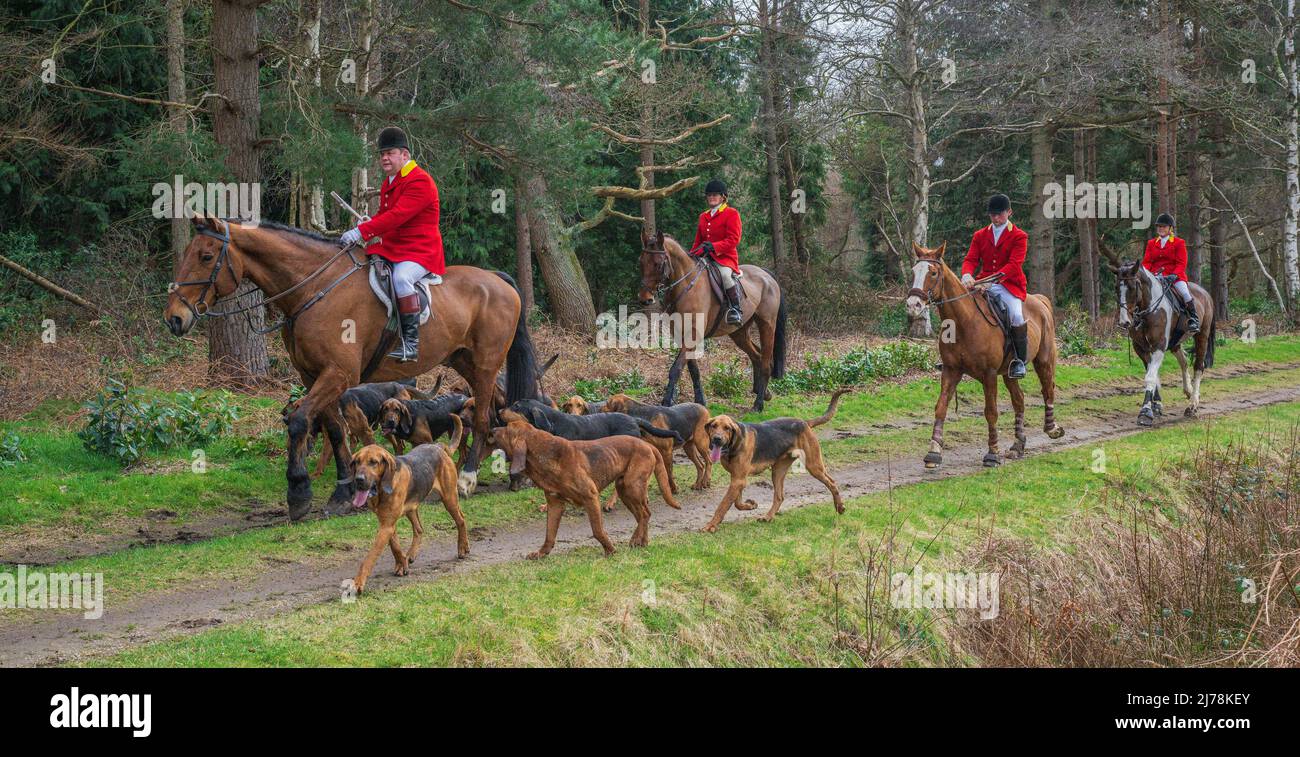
pixel 716 285
pixel 421 288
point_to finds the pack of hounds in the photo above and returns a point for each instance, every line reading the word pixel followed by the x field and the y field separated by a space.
pixel 572 451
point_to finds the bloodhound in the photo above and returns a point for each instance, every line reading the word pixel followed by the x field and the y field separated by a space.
pixel 748 448
pixel 686 418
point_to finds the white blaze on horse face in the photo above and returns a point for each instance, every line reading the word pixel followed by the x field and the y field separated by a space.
pixel 1123 304
pixel 919 271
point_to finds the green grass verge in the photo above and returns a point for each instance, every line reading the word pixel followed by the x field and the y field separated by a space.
pixel 752 594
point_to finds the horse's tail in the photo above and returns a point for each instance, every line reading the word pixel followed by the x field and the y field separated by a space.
pixel 521 360
pixel 1209 348
pixel 778 353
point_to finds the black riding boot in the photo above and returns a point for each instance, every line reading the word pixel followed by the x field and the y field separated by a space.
pixel 1020 343
pixel 1193 320
pixel 408 315
pixel 733 304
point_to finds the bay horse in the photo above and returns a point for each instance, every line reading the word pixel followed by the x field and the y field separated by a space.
pixel 971 343
pixel 1154 324
pixel 683 281
pixel 333 325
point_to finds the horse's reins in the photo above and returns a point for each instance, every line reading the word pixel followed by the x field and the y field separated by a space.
pixel 667 266
pixel 223 259
pixel 929 296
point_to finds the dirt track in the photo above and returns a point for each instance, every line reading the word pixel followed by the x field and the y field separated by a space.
pixel 59 637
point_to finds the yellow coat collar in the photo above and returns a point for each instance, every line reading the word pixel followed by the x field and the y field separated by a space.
pixel 721 207
pixel 410 165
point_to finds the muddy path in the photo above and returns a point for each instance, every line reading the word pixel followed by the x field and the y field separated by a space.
pixel 53 637
pixel 44 545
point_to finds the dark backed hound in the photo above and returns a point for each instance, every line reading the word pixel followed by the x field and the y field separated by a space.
pixel 686 418
pixel 748 448
pixel 421 421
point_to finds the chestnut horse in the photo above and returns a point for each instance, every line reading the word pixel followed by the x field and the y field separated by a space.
pixel 334 324
pixel 683 281
pixel 972 343
pixel 1154 326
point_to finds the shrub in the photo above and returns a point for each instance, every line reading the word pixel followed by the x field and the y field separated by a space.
pixel 11 451
pixel 857 366
pixel 1074 331
pixel 125 423
pixel 600 388
pixel 727 380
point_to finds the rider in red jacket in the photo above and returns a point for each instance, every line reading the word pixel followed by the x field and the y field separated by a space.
pixel 1166 255
pixel 407 221
pixel 718 236
pixel 1000 247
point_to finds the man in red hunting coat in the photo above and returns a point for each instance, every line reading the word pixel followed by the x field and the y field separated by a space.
pixel 1000 247
pixel 1167 255
pixel 407 225
pixel 718 236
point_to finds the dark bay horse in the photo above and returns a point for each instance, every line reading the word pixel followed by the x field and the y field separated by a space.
pixel 1155 326
pixel 971 343
pixel 334 324
pixel 684 283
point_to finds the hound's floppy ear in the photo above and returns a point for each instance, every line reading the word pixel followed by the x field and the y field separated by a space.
pixel 539 419
pixel 404 426
pixel 518 456
pixel 386 480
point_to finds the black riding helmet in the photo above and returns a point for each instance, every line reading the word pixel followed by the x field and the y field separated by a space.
pixel 999 203
pixel 392 137
pixel 716 187
pixel 1164 219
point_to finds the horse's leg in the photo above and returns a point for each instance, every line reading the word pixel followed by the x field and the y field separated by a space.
pixel 697 383
pixel 674 373
pixel 1018 403
pixel 742 340
pixel 1045 368
pixel 990 381
pixel 1198 366
pixel 947 386
pixel 1186 374
pixel 1146 416
pixel 315 406
pixel 483 385
pixel 767 341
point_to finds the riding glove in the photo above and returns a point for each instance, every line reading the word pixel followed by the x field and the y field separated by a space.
pixel 351 236
pixel 967 280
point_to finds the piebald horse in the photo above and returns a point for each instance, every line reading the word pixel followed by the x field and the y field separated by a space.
pixel 333 326
pixel 971 343
pixel 683 281
pixel 1155 327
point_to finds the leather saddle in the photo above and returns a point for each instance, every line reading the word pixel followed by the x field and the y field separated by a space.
pixel 1003 317
pixel 716 284
pixel 381 283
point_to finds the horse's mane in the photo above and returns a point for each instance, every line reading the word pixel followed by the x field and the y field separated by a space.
pixel 289 229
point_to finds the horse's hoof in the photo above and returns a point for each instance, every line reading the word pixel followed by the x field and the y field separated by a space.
pixel 933 460
pixel 1190 412
pixel 1145 419
pixel 1056 432
pixel 992 461
pixel 1159 409
pixel 467 482
pixel 1015 453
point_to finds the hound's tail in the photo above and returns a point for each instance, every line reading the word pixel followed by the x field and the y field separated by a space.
pixel 830 411
pixel 458 430
pixel 647 428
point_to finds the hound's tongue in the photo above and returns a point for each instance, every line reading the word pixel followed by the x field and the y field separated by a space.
pixel 359 499
pixel 715 452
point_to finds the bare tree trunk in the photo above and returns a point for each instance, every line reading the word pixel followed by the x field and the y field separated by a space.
pixel 767 117
pixel 307 200
pixel 1041 273
pixel 523 246
pixel 365 70
pixel 1290 251
pixel 918 163
pixel 566 284
pixel 1164 127
pixel 236 352
pixel 1084 149
pixel 1218 231
pixel 176 115
pixel 647 156
pixel 1195 241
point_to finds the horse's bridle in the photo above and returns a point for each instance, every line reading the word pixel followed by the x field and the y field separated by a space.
pixel 210 282
pixel 927 296
pixel 223 259
pixel 665 270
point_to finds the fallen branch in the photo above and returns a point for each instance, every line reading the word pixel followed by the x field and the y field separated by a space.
pixel 50 286
pixel 1281 302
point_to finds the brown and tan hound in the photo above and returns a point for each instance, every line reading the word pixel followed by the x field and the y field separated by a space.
pixel 686 418
pixel 577 405
pixel 393 487
pixel 576 472
pixel 748 448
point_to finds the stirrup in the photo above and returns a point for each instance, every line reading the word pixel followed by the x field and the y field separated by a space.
pixel 1011 369
pixel 733 315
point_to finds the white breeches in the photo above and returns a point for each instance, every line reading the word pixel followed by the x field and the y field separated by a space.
pixel 724 272
pixel 405 274
pixel 1183 291
pixel 1015 308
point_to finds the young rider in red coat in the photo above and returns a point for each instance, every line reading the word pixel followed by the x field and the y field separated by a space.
pixel 1000 247
pixel 1167 254
pixel 717 236
pixel 407 221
